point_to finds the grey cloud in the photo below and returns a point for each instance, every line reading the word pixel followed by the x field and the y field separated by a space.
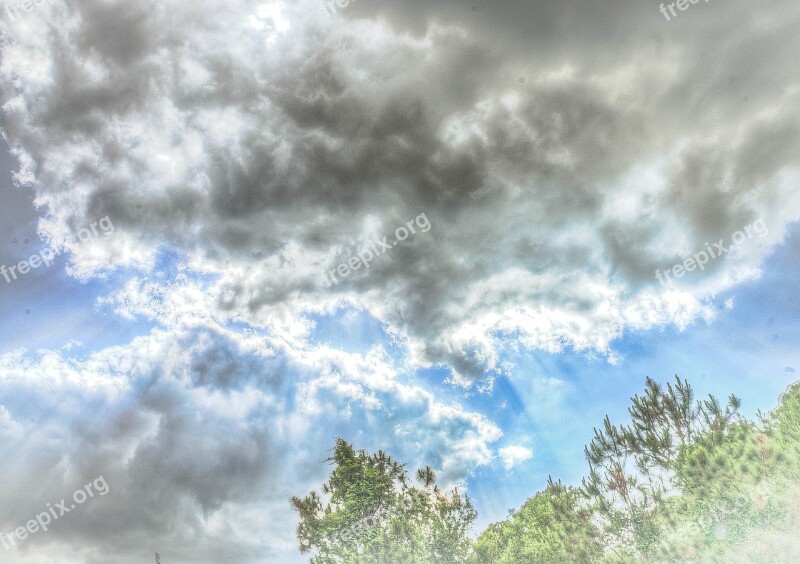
pixel 323 130
pixel 196 431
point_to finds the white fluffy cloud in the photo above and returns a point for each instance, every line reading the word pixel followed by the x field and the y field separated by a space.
pixel 514 454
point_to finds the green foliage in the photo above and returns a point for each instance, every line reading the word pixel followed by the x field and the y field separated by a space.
pixel 684 480
pixel 726 481
pixel 784 425
pixel 551 527
pixel 370 513
pixel 634 467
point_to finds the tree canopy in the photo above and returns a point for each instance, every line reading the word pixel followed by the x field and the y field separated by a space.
pixel 683 479
pixel 370 512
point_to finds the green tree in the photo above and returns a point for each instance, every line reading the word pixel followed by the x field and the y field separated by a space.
pixel 685 480
pixel 551 527
pixel 783 423
pixel 634 467
pixel 369 513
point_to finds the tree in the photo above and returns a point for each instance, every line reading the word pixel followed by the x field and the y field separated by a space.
pixel 784 425
pixel 633 468
pixel 685 480
pixel 739 503
pixel 551 527
pixel 368 512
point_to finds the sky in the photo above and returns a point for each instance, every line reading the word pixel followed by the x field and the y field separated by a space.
pixel 440 229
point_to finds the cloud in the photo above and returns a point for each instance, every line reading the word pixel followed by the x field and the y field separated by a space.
pixel 269 170
pixel 197 429
pixel 513 455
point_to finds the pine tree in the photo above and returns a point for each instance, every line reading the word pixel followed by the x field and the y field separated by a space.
pixel 368 513
pixel 632 468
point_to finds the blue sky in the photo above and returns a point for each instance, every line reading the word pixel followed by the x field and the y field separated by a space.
pixel 197 360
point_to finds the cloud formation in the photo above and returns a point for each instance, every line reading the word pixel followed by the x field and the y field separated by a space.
pixel 197 430
pixel 514 454
pixel 268 170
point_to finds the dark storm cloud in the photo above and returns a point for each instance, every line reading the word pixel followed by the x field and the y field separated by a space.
pixel 507 140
